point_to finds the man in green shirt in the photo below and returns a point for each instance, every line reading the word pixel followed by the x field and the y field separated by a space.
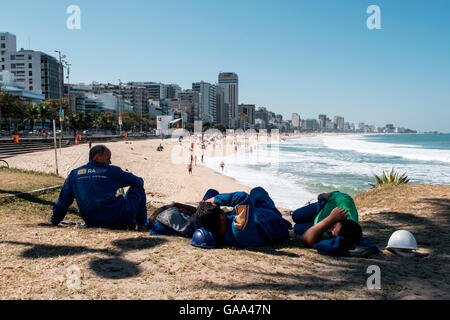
pixel 334 215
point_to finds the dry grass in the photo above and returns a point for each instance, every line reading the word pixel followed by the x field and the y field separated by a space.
pixel 35 260
pixel 15 180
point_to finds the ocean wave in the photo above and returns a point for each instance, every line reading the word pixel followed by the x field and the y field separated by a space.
pixel 412 152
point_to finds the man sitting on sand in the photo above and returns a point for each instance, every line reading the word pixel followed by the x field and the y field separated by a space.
pixel 95 186
pixel 254 220
pixel 334 215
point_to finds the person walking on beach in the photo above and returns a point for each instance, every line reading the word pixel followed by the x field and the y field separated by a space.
pixel 94 186
pixel 254 220
pixel 334 215
pixel 222 165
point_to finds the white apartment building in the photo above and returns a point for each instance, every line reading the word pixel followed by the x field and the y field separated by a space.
pixel 339 122
pixel 36 71
pixel 207 91
pixel 295 120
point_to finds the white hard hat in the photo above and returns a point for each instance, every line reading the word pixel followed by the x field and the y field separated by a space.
pixel 403 243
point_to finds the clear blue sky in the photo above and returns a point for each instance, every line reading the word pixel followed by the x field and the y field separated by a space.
pixel 308 57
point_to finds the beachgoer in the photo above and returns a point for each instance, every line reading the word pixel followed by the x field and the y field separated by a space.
pixel 190 168
pixel 90 144
pixel 222 165
pixel 94 186
pixel 334 215
pixel 254 220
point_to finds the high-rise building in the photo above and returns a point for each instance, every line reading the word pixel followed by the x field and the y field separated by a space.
pixel 339 123
pixel 310 124
pixel 295 120
pixel 229 81
pixel 37 71
pixel 247 111
pixel 138 96
pixel 322 121
pixel 222 108
pixel 172 91
pixel 8 43
pixel 193 97
pixel 207 93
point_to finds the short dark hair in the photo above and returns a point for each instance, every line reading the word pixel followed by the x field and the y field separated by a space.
pixel 208 216
pixel 98 149
pixel 351 231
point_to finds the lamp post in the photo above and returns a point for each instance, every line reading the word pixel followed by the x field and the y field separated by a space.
pixel 61 80
pixel 68 82
pixel 119 105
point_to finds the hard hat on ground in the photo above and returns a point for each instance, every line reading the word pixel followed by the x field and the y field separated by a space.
pixel 203 238
pixel 402 242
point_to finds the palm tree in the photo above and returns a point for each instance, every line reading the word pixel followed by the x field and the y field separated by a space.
pixel 32 115
pixel 44 113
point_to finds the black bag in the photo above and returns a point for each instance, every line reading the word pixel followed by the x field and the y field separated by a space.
pixel 176 220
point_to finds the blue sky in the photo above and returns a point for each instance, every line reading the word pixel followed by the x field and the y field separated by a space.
pixel 308 57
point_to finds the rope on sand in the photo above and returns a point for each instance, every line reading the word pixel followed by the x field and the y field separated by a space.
pixel 30 192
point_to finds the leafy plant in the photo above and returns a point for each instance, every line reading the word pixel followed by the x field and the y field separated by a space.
pixel 390 178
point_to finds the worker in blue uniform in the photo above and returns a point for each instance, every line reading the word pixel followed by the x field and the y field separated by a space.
pixel 95 186
pixel 254 220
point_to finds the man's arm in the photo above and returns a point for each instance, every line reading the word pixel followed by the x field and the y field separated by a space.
pixel 127 179
pixel 313 234
pixel 243 223
pixel 65 200
pixel 231 199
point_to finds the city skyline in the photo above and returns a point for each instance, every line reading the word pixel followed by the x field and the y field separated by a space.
pixel 377 76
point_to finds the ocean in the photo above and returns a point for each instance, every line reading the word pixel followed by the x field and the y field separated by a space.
pixel 295 171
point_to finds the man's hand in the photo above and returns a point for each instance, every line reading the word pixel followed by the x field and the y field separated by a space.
pixel 338 214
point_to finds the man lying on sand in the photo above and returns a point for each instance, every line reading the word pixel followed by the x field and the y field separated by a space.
pixel 95 186
pixel 254 220
pixel 334 215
